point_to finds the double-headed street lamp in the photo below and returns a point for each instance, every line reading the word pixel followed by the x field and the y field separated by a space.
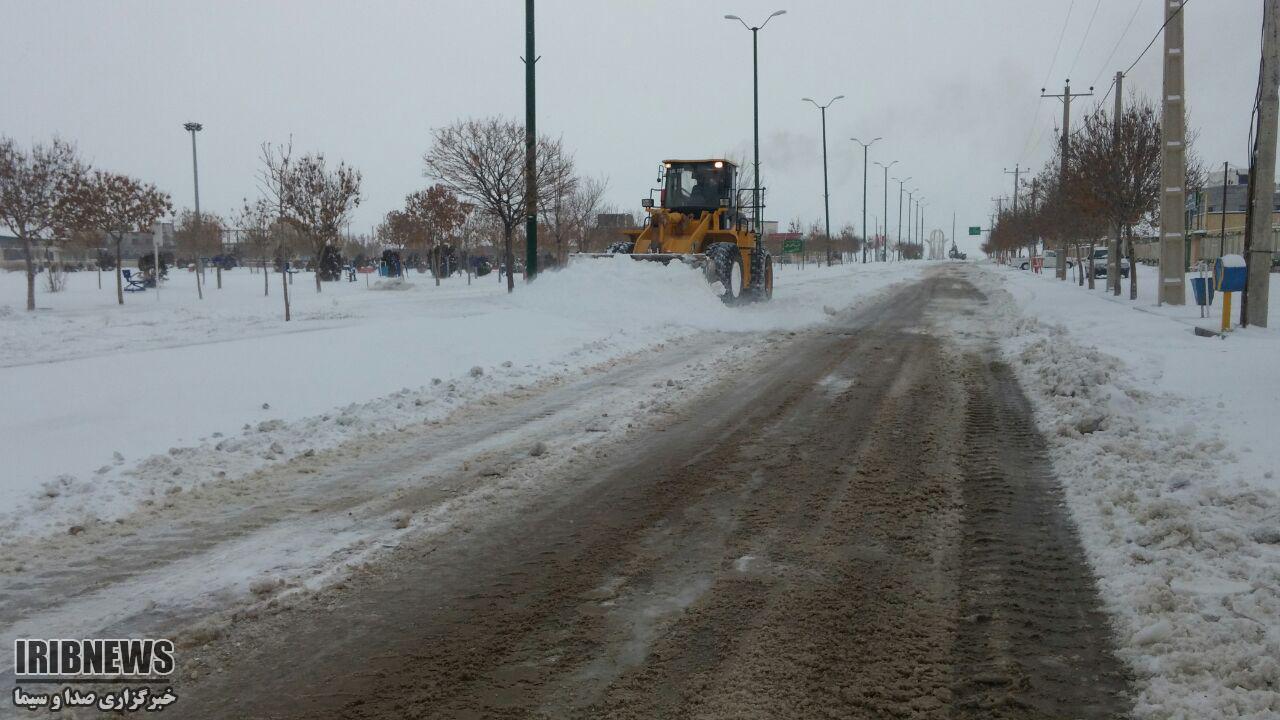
pixel 826 196
pixel 900 186
pixel 755 111
pixel 886 206
pixel 865 147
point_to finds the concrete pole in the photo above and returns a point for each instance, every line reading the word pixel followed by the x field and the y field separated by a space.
pixel 1173 171
pixel 1260 238
pixel 1113 272
pixel 1017 171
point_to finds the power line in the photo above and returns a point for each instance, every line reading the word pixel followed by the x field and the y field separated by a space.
pixel 1084 38
pixel 1062 34
pixel 1172 15
pixel 1132 65
pixel 1028 142
pixel 1107 63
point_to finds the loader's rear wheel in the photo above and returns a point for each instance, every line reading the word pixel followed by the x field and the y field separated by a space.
pixel 724 265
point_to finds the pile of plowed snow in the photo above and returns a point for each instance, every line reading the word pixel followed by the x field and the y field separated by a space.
pixel 198 392
pixel 627 293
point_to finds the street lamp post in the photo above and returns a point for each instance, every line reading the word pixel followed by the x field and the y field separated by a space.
pixel 886 205
pixel 865 147
pixel 826 196
pixel 193 128
pixel 886 248
pixel 911 220
pixel 755 112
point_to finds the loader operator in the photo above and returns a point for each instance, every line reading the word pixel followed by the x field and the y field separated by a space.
pixel 706 191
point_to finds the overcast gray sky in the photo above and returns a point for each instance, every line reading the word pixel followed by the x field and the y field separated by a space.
pixel 953 87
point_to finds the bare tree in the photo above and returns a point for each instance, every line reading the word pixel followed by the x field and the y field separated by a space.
pixel 436 214
pixel 199 236
pixel 1120 175
pixel 115 204
pixel 255 220
pixel 483 161
pixel 584 204
pixel 559 217
pixel 310 197
pixel 34 187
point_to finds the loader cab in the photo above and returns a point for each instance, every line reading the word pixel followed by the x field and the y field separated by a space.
pixel 698 185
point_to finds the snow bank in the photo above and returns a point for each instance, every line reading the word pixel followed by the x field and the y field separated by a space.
pixel 1180 522
pixel 110 408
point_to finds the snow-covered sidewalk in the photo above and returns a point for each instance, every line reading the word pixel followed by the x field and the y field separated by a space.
pixel 1165 443
pixel 107 407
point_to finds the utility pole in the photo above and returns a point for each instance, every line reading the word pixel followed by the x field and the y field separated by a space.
pixel 1113 272
pixel 1017 172
pixel 1222 229
pixel 193 128
pixel 865 147
pixel 530 154
pixel 1066 97
pixel 1262 179
pixel 1035 240
pixel 1173 167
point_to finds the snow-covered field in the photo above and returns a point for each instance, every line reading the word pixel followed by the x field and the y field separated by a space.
pixel 109 407
pixel 1166 444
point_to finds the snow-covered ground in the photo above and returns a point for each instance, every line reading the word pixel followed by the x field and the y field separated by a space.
pixel 1166 444
pixel 109 407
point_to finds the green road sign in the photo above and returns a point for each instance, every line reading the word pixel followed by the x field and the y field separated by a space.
pixel 975 230
pixel 792 246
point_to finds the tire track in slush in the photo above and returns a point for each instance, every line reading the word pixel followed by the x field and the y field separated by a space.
pixel 867 528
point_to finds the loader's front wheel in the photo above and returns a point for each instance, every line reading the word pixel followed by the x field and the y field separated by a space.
pixel 761 276
pixel 724 265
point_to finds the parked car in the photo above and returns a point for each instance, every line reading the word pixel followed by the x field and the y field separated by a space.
pixel 1050 261
pixel 1101 264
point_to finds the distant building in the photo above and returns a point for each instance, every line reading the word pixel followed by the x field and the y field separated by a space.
pixel 608 230
pixel 134 246
pixel 1207 211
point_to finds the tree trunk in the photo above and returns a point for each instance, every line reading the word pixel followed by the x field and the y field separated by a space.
pixel 119 276
pixel 31 275
pixel 199 285
pixel 284 283
pixel 218 274
pixel 435 265
pixel 511 259
pixel 1113 263
pixel 1060 270
pixel 266 280
pixel 1091 283
pixel 1133 265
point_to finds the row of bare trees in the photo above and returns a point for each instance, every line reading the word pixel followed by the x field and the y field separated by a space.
pixel 482 162
pixel 1108 184
pixel 49 194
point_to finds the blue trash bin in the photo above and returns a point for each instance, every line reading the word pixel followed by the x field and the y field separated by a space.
pixel 1229 273
pixel 1199 286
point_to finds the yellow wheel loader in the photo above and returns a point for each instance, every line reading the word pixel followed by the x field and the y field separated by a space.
pixel 699 219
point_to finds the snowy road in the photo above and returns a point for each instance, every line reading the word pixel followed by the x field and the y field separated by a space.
pixel 855 521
